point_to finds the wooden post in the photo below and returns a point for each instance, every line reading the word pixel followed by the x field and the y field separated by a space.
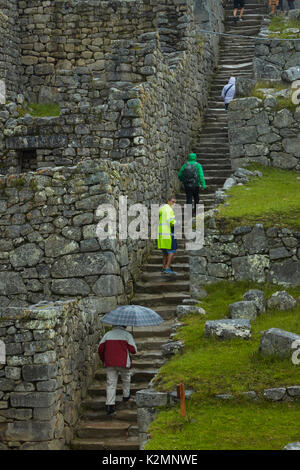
pixel 181 395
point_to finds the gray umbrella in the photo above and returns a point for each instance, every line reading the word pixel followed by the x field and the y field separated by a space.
pixel 132 315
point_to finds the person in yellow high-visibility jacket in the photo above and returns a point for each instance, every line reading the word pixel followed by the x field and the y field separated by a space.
pixel 166 240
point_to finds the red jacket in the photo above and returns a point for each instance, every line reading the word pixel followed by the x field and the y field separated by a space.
pixel 115 348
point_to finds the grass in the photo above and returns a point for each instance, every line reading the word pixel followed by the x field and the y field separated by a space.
pixel 273 200
pixel 282 103
pixel 40 110
pixel 227 426
pixel 211 366
pixel 279 23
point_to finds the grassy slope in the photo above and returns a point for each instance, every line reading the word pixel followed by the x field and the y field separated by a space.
pixel 273 200
pixel 212 366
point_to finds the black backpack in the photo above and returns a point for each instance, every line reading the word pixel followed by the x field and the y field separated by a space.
pixel 190 175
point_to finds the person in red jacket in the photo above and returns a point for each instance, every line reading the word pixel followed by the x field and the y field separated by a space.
pixel 114 350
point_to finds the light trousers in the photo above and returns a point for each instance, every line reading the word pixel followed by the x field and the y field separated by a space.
pixel 112 381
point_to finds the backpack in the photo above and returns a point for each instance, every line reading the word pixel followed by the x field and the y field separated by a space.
pixel 190 175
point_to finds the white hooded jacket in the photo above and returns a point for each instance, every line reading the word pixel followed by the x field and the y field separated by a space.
pixel 231 92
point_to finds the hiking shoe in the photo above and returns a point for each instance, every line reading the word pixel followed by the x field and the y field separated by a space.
pixel 110 409
pixel 126 398
pixel 169 271
pixel 241 19
pixel 235 19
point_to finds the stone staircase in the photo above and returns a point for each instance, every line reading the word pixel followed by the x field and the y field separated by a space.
pixel 95 430
pixel 235 60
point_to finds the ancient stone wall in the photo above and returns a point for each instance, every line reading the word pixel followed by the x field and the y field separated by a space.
pixel 273 57
pixel 258 132
pixel 50 361
pixel 248 253
pixel 10 54
pixel 49 246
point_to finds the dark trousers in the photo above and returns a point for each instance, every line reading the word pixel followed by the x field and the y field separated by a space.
pixel 192 193
pixel 291 5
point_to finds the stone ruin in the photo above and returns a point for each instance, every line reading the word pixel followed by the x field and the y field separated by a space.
pixel 131 81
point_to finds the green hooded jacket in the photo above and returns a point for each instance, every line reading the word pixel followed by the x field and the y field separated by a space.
pixel 193 159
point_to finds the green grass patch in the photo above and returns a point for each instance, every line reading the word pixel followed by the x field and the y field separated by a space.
pixel 212 366
pixel 273 200
pixel 282 102
pixel 278 26
pixel 40 110
pixel 226 426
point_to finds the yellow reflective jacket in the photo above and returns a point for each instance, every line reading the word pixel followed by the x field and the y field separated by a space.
pixel 166 220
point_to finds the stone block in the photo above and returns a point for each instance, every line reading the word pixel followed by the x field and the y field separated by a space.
pixel 292 446
pixel 30 431
pixel 243 309
pixel 182 310
pixel 32 399
pixel 277 342
pixel 149 398
pixel 275 394
pixel 227 329
pixel 281 300
pixel 258 297
pixel 39 372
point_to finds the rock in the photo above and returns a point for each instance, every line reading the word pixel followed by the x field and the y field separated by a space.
pixel 227 329
pixel 56 246
pixel 85 264
pixel 291 74
pixel 182 310
pixel 258 297
pixel 294 391
pixel 250 268
pixel 149 398
pixel 11 283
pixel 286 273
pixel 292 446
pixel 26 255
pixel 243 309
pixel 251 395
pixel 281 300
pixel 275 394
pixel 171 348
pixel 256 242
pixel 277 342
pixel 71 286
pixel 229 183
pixel 224 396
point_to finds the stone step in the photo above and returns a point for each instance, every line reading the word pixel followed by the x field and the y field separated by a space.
pixel 156 277
pixel 97 390
pixel 99 430
pixel 98 404
pixel 128 415
pixel 164 285
pixel 158 259
pixel 155 300
pixel 130 443
pixel 176 266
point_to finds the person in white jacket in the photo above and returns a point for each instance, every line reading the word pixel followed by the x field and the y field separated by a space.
pixel 228 92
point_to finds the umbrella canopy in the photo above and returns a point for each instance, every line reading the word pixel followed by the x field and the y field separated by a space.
pixel 132 315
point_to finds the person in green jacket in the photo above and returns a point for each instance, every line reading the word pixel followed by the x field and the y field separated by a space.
pixel 192 177
pixel 166 239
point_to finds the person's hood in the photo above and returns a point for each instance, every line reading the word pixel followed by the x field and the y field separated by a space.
pixel 231 81
pixel 192 157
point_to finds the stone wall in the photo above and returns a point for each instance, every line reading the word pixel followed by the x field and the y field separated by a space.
pixel 134 80
pixel 258 132
pixel 50 361
pixel 48 230
pixel 248 253
pixel 10 54
pixel 273 57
